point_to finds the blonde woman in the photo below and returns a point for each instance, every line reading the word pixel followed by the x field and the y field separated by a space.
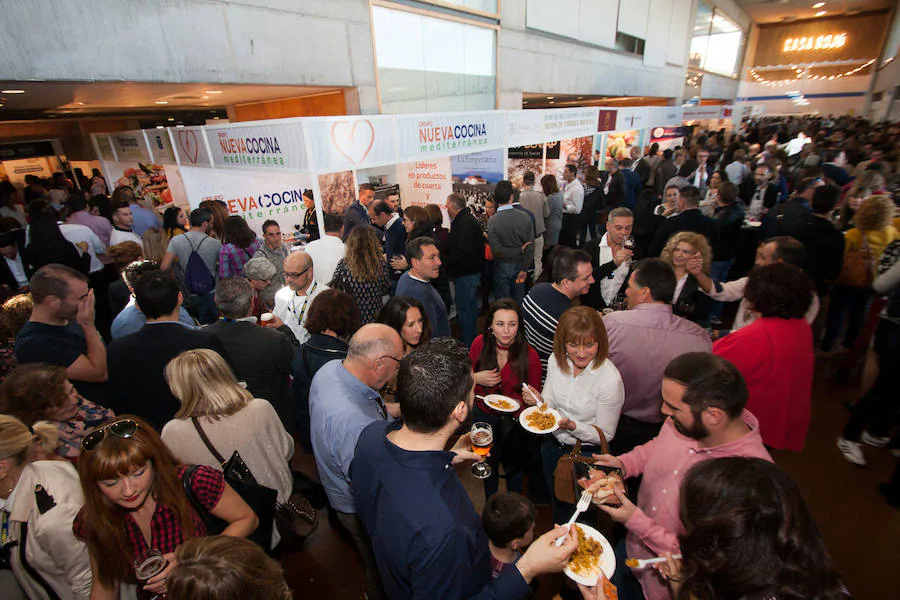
pixel 42 498
pixel 364 272
pixel 230 417
pixel 154 242
pixel 689 302
pixel 872 233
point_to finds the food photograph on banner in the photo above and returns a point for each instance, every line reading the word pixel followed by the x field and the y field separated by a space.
pixel 667 137
pixel 338 191
pixel 575 151
pixel 474 176
pixel 254 196
pixel 618 144
pixel 522 159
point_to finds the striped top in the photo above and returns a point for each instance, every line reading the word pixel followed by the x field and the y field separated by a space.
pixel 541 310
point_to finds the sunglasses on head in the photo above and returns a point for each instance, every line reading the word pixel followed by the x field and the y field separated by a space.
pixel 124 428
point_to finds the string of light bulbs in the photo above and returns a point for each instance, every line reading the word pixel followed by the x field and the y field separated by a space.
pixel 799 75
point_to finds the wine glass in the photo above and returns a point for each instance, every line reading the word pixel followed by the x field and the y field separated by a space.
pixel 628 242
pixel 482 439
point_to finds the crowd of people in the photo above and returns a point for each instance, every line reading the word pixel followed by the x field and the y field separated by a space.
pixel 160 370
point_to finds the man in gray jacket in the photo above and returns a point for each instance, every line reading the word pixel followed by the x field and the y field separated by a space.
pixel 511 237
pixel 536 202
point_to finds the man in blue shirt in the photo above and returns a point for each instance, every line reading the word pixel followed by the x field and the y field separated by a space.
pixel 424 265
pixel 143 219
pixel 428 540
pixel 342 401
pixel 131 319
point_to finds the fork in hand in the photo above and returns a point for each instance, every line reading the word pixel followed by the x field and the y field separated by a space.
pixel 583 503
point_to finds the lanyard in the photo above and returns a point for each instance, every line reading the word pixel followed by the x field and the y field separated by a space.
pixel 300 316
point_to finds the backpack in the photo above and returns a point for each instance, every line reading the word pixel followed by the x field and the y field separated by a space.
pixel 197 277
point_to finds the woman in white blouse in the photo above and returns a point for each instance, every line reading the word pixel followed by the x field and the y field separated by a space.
pixel 230 417
pixel 584 386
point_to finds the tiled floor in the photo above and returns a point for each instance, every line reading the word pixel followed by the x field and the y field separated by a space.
pixel 861 530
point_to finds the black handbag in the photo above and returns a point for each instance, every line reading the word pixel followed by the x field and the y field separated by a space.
pixel 259 497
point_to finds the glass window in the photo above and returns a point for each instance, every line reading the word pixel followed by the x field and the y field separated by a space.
pixel 428 64
pixel 488 6
pixel 716 43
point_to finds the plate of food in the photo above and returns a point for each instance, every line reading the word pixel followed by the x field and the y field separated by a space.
pixel 540 419
pixel 608 480
pixel 593 556
pixel 501 403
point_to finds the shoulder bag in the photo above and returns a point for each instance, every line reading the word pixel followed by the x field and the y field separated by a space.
pixel 260 498
pixel 859 267
pixel 572 467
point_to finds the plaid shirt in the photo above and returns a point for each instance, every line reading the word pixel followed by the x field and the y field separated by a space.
pixel 165 533
pixel 232 259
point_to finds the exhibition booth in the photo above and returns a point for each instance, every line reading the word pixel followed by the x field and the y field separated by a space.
pixel 260 169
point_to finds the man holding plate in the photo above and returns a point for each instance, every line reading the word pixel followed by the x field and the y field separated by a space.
pixel 703 397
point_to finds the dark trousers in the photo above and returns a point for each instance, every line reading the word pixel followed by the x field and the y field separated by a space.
pixel 632 433
pixel 351 523
pixel 571 228
pixel 846 303
pixel 875 411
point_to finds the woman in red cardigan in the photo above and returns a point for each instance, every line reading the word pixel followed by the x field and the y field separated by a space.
pixel 775 354
pixel 503 360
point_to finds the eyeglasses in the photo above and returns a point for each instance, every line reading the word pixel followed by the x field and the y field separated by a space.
pixel 124 429
pixel 290 275
pixel 390 357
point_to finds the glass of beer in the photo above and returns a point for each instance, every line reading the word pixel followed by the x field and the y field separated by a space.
pixel 148 564
pixel 482 439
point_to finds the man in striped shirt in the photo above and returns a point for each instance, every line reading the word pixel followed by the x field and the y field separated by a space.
pixel 546 302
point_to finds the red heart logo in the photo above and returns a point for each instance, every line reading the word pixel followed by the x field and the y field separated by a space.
pixel 343 136
pixel 190 148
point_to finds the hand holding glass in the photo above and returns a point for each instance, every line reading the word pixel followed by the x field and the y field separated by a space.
pixel 482 439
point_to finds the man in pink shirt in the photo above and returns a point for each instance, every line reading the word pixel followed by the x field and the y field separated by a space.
pixel 703 397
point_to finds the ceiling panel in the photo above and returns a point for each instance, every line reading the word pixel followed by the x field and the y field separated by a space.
pixel 775 11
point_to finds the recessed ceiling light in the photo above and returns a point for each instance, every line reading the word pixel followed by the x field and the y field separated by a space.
pixel 220 91
pixel 818 5
pixel 160 127
pixel 552 102
pixel 12 91
pixel 550 97
pixel 821 13
pixel 171 118
pixel 161 102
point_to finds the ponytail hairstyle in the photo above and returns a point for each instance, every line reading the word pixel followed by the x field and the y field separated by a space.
pixel 18 442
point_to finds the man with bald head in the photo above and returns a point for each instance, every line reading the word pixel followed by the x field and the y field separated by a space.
pixel 293 300
pixel 344 400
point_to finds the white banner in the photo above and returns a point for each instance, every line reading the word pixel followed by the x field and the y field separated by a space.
pixel 130 145
pixel 254 196
pixel 667 115
pixel 161 147
pixel 445 134
pixel 568 123
pixel 696 113
pixel 345 143
pixel 525 128
pixel 103 146
pixel 190 146
pixel 275 145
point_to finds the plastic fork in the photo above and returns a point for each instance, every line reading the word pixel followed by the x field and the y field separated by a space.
pixel 582 506
pixel 534 396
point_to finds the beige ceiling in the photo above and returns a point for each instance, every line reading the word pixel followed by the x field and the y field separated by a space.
pixel 775 11
pixel 85 98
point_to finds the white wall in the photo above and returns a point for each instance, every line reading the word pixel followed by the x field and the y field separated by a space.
pixel 296 42
pixel 534 58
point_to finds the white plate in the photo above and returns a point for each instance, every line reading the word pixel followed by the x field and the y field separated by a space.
pixel 528 427
pixel 490 398
pixel 607 558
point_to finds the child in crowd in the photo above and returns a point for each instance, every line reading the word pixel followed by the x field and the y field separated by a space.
pixel 508 520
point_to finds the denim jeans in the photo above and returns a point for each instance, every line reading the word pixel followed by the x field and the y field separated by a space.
pixel 466 298
pixel 718 271
pixel 505 285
